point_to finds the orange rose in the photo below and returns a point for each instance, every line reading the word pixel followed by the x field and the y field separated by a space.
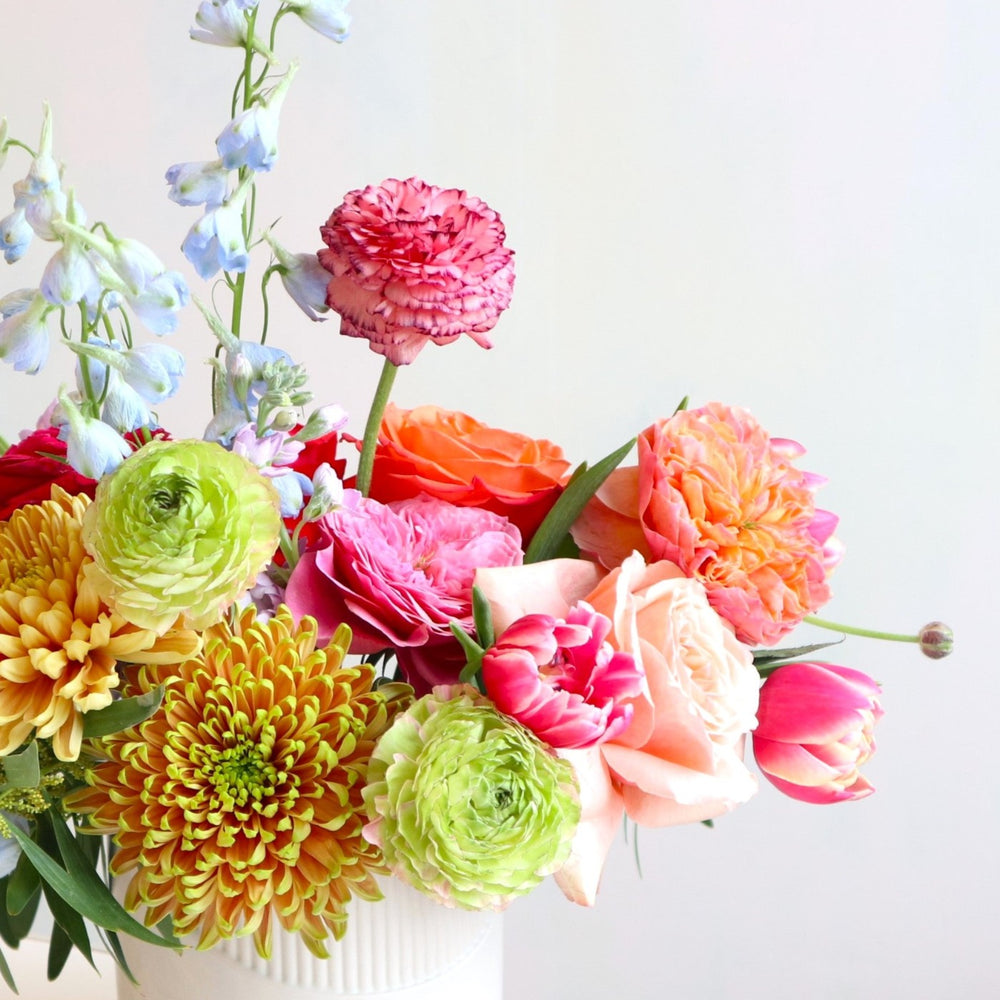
pixel 453 457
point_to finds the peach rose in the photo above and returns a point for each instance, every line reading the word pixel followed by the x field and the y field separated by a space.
pixel 681 758
pixel 453 457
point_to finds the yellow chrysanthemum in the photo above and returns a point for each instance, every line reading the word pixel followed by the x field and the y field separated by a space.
pixel 59 643
pixel 239 802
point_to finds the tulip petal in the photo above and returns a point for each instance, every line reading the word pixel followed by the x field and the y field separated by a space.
pixel 810 703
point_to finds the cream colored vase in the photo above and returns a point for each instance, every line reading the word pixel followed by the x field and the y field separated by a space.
pixel 405 947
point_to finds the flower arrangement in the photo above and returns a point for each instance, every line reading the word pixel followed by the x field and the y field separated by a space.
pixel 272 665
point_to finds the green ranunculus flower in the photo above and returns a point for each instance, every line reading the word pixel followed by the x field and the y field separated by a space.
pixel 466 804
pixel 180 529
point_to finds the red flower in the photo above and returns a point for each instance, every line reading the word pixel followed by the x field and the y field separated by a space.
pixel 29 468
pixel 413 263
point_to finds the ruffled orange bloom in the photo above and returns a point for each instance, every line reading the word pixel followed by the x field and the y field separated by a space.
pixel 452 456
pixel 239 802
pixel 59 643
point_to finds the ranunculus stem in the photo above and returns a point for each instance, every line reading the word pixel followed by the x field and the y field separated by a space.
pixel 854 630
pixel 381 398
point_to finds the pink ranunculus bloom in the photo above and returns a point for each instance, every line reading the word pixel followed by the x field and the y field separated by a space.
pixel 399 573
pixel 724 501
pixel 680 760
pixel 815 730
pixel 561 679
pixel 412 263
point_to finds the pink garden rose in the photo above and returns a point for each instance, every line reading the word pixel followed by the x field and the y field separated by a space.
pixel 680 760
pixel 398 574
pixel 412 263
pixel 561 679
pixel 816 730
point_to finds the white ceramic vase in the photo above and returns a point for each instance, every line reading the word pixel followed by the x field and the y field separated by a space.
pixel 405 947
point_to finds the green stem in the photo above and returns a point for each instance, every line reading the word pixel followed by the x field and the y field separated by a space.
pixel 367 460
pixel 854 630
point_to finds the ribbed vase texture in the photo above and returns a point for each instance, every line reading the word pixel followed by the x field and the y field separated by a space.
pixel 405 947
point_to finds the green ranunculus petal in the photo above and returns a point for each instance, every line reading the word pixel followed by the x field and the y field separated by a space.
pixel 467 805
pixel 180 529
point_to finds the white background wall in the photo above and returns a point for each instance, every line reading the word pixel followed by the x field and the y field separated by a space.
pixel 788 205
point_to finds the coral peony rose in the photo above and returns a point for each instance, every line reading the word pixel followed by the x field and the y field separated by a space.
pixel 30 468
pixel 725 502
pixel 413 263
pixel 398 574
pixel 815 732
pixel 454 457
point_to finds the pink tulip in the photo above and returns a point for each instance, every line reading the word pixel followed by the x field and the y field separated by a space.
pixel 814 731
pixel 561 679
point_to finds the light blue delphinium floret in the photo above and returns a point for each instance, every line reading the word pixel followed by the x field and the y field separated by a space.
pixel 15 235
pixel 93 447
pixel 220 22
pixel 203 182
pixel 251 138
pixel 328 17
pixel 216 239
pixel 304 278
pixel 24 335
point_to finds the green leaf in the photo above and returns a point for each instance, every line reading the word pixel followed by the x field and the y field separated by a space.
pixel 482 616
pixel 73 926
pixel 768 660
pixel 60 947
pixel 8 976
pixel 83 889
pixel 14 927
pixel 122 713
pixel 21 769
pixel 473 653
pixel 584 483
pixel 22 886
pixel 114 946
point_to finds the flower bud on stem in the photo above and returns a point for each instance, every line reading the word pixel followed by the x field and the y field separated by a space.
pixel 935 639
